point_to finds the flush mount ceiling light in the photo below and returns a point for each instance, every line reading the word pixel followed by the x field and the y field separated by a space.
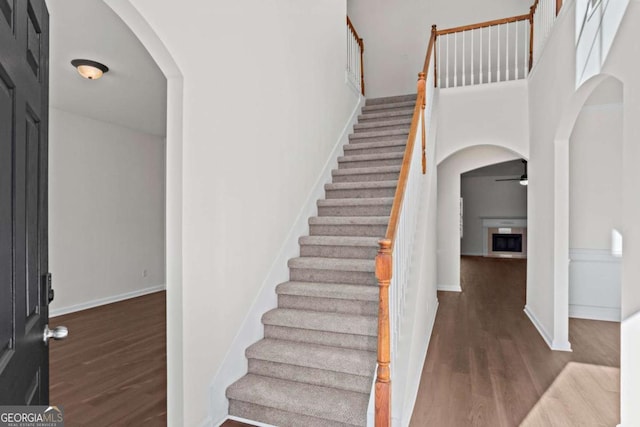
pixel 88 69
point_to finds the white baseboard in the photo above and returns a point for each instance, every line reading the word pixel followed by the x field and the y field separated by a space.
pixel 450 288
pixel 234 365
pixel 608 314
pixel 106 300
pixel 553 344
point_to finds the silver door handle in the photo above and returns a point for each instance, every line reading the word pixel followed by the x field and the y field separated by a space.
pixel 57 333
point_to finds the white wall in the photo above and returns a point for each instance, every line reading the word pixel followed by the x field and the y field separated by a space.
pixel 551 85
pixel 259 125
pixel 495 114
pixel 484 197
pixel 623 62
pixel 449 205
pixel 595 197
pixel 396 34
pixel 595 158
pixel 106 212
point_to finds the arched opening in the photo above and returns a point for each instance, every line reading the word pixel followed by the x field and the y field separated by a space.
pixel 170 202
pixel 450 171
pixel 562 201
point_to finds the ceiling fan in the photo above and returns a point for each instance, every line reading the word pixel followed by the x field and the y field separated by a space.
pixel 524 180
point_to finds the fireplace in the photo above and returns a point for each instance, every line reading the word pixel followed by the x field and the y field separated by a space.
pixel 505 237
pixel 507 243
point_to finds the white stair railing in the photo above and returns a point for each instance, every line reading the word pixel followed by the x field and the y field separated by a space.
pixel 355 57
pixel 494 51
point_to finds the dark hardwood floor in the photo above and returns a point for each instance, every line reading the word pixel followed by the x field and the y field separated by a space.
pixel 111 370
pixel 488 366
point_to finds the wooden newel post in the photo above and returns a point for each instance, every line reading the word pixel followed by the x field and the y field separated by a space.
pixel 434 35
pixel 383 381
pixel 422 91
pixel 558 6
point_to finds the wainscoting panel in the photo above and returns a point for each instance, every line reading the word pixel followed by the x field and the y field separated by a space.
pixel 594 284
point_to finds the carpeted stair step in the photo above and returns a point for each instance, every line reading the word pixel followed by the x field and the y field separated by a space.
pixel 363 226
pixel 386 124
pixel 386 115
pixel 379 206
pixel 377 173
pixel 360 190
pixel 340 368
pixel 329 297
pixel 370 160
pixel 391 99
pixel 294 404
pixel 339 247
pixel 393 146
pixel 333 270
pixel 379 136
pixel 342 326
pixel 389 106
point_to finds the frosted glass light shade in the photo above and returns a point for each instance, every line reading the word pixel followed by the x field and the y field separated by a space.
pixel 88 69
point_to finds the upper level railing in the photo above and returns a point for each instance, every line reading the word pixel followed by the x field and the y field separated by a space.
pixel 494 51
pixel 507 58
pixel 355 57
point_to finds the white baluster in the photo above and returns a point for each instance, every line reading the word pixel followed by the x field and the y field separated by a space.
pixel 464 68
pixel 439 62
pixel 447 63
pixel 481 57
pixel 455 59
pixel 489 66
pixel 515 51
pixel 499 64
pixel 507 55
pixel 473 80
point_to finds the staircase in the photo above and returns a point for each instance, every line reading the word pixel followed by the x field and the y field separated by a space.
pixel 316 363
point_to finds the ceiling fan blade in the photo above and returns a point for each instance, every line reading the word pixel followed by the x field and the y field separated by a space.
pixel 509 179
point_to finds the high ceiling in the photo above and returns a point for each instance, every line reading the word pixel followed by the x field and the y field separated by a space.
pixel 132 94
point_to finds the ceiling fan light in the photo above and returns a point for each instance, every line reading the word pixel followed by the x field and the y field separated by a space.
pixel 524 181
pixel 88 69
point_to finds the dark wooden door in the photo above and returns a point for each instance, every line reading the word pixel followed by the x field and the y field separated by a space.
pixel 24 75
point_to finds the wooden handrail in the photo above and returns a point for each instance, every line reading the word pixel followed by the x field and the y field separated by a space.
pixel 484 24
pixel 558 6
pixel 361 45
pixel 355 33
pixel 384 259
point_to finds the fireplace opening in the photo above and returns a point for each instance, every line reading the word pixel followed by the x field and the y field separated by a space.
pixel 507 243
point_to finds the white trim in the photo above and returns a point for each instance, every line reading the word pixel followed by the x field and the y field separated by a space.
pixel 234 365
pixel 450 288
pixel 593 255
pixel 104 301
pixel 608 314
pixel 504 222
pixel 553 345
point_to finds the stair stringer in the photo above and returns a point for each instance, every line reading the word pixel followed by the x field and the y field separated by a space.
pixel 235 364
